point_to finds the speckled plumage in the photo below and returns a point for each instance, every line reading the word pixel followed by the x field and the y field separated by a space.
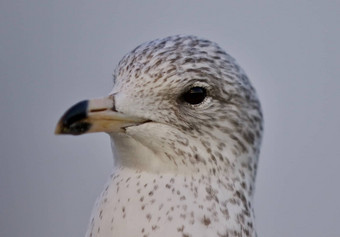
pixel 190 171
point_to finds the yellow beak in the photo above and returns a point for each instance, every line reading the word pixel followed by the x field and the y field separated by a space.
pixel 96 115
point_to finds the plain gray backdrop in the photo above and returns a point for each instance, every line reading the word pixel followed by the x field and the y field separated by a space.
pixel 56 53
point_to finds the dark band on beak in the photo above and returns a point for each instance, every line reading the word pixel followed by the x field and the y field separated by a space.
pixel 72 119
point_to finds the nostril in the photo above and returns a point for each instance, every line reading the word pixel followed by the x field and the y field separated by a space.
pixel 98 110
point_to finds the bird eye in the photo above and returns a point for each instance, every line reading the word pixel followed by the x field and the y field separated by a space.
pixel 195 95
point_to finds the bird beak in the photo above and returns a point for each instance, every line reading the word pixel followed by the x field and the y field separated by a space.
pixel 97 115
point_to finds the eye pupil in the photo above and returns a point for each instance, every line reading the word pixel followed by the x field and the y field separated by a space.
pixel 195 95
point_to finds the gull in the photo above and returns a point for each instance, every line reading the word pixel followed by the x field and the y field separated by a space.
pixel 186 126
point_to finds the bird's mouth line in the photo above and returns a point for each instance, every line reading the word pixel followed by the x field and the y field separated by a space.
pixel 136 124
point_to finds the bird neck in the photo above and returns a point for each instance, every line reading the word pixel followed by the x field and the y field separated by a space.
pixel 207 160
pixel 206 205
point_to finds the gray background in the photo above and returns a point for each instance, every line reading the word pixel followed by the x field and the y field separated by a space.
pixel 55 53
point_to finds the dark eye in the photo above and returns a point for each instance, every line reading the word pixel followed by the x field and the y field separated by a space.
pixel 195 95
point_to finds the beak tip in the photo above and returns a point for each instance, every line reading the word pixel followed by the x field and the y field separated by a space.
pixel 61 128
pixel 58 129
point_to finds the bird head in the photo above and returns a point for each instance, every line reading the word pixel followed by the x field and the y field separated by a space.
pixel 182 101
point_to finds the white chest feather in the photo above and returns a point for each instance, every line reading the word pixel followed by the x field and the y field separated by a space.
pixel 142 204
